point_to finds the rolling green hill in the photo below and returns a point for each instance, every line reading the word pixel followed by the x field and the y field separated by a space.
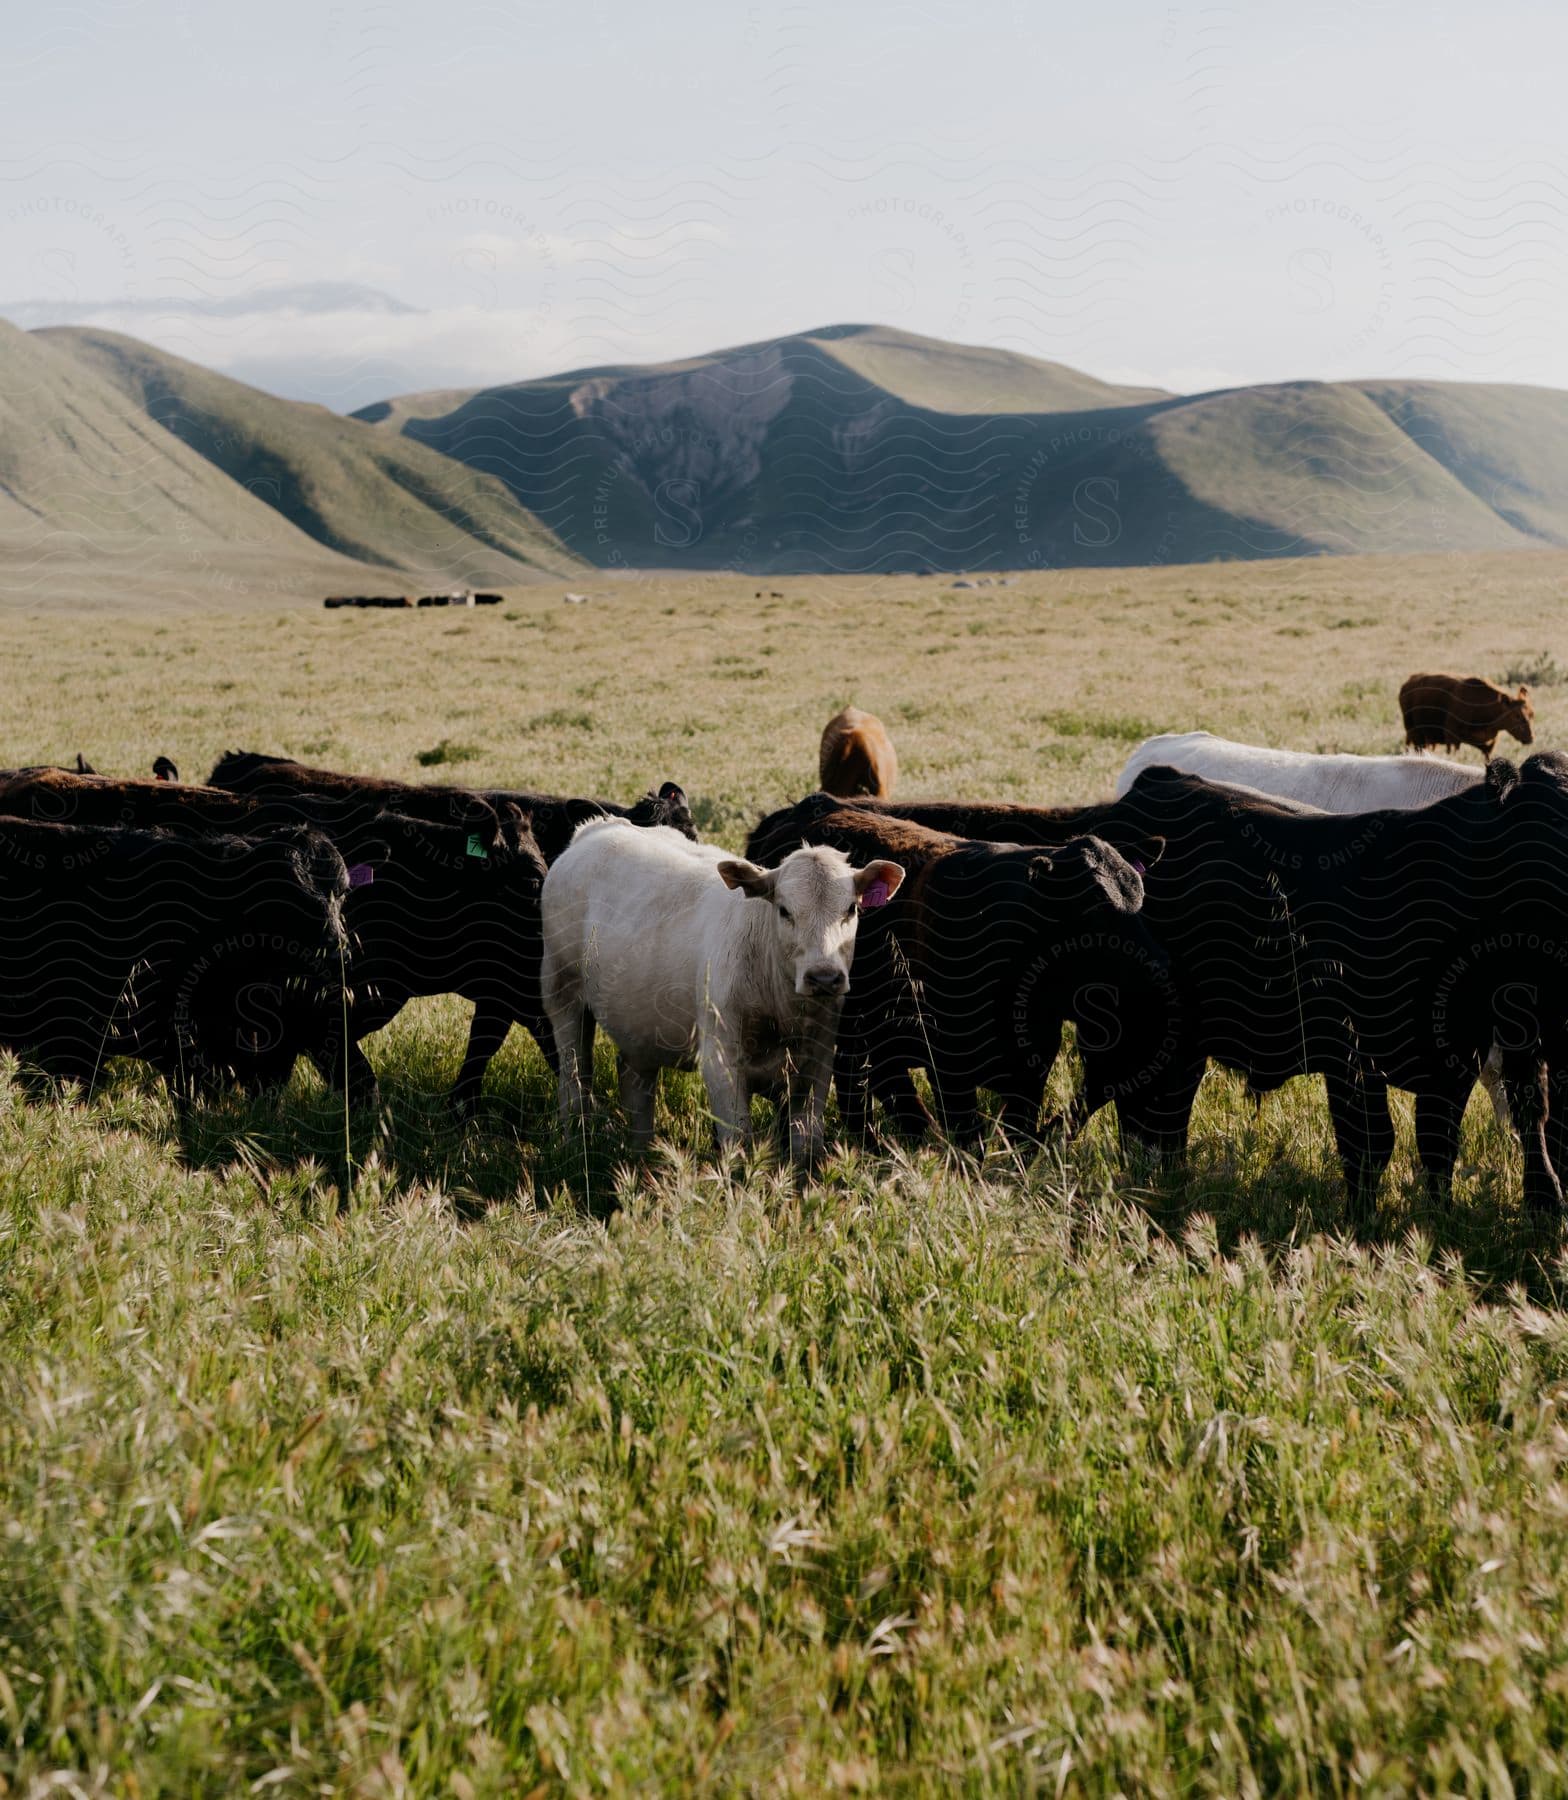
pixel 112 452
pixel 860 448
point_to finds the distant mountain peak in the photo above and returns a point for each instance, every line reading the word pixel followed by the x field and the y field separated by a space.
pixel 865 447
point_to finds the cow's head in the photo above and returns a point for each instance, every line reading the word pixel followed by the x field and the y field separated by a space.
pixel 669 806
pixel 1089 875
pixel 815 899
pixel 1519 716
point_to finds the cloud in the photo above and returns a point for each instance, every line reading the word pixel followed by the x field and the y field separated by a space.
pixel 304 297
pixel 348 357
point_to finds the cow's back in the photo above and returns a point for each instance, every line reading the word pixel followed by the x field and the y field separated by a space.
pixel 630 913
pixel 857 756
pixel 1337 782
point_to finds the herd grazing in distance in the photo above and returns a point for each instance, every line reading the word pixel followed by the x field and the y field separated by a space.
pixel 1381 921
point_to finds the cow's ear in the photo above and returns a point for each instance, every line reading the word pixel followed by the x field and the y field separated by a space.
pixel 890 874
pixel 1149 852
pixel 484 832
pixel 754 883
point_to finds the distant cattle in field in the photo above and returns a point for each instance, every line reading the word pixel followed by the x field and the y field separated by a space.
pixel 857 757
pixel 1338 783
pixel 163 769
pixel 971 975
pixel 689 956
pixel 1442 712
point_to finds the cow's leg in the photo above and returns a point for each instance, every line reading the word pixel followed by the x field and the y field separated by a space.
pixel 958 1108
pixel 1363 1131
pixel 486 1035
pixel 852 1083
pixel 1437 1139
pixel 893 1085
pixel 1497 1088
pixel 573 1026
pixel 807 1101
pixel 1557 1114
pixel 729 1098
pixel 348 1066
pixel 1528 1082
pixel 1157 1124
pixel 639 1088
pixel 345 1064
pixel 536 1022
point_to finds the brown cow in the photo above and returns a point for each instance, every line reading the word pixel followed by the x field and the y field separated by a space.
pixel 857 757
pixel 1446 711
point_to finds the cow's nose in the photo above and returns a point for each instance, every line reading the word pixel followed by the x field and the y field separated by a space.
pixel 826 979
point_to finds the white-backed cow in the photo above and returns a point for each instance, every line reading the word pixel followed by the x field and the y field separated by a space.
pixel 1337 783
pixel 687 955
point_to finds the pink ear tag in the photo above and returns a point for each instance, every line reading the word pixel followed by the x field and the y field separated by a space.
pixel 876 895
pixel 1137 867
pixel 360 875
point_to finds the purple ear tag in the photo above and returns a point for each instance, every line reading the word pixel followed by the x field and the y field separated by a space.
pixel 1137 867
pixel 876 895
pixel 360 875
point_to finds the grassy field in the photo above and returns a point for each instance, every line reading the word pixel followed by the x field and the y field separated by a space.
pixel 513 1470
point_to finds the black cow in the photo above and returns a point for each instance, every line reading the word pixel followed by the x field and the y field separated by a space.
pixel 555 816
pixel 441 909
pixel 448 906
pixel 554 819
pixel 1375 949
pixel 971 969
pixel 206 957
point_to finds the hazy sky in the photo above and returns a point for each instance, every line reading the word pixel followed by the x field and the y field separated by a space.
pixel 1187 195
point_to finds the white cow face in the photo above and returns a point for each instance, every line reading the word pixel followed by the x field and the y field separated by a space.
pixel 815 898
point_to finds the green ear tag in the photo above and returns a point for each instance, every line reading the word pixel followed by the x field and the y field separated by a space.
pixel 475 848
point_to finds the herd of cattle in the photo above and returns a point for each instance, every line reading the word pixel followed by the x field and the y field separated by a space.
pixel 1382 921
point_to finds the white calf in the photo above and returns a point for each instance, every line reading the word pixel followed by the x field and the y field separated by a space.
pixel 686 955
pixel 1338 783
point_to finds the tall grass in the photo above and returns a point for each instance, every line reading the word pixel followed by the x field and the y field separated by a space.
pixel 936 1474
